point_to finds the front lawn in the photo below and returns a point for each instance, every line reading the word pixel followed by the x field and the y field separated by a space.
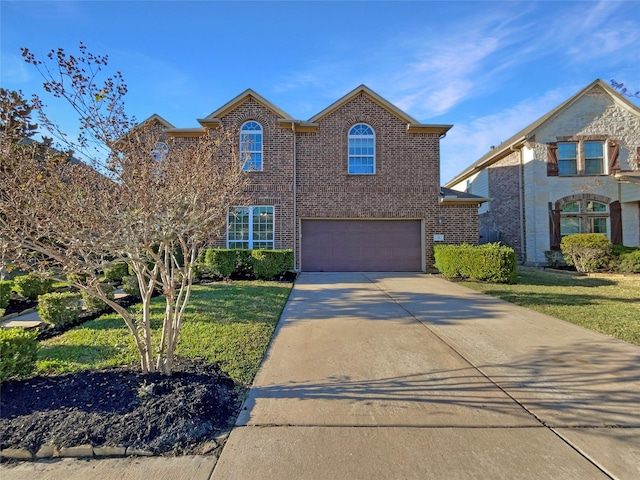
pixel 229 323
pixel 606 304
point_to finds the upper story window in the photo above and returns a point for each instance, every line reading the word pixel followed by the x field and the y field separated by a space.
pixel 251 146
pixel 593 158
pixel 362 148
pixel 578 157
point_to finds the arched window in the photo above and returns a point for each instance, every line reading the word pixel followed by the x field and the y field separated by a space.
pixel 584 216
pixel 362 150
pixel 251 146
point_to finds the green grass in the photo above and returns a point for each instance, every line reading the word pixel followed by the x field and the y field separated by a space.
pixel 229 323
pixel 606 304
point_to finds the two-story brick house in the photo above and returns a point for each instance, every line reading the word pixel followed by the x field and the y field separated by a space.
pixel 574 170
pixel 354 188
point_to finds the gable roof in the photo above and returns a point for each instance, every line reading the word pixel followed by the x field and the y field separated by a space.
pixel 157 118
pixel 517 140
pixel 412 124
pixel 213 118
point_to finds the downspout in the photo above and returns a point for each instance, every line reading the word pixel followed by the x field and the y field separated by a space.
pixel 523 246
pixel 295 199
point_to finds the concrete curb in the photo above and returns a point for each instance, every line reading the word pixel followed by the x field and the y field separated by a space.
pixel 211 447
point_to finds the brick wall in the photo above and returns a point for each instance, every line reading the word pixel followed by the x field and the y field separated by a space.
pixel 504 212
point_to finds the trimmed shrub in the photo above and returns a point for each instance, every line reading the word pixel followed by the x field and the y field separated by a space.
pixel 554 258
pixel 94 304
pixel 625 259
pixel 116 271
pixel 130 285
pixel 59 309
pixel 491 262
pixel 220 262
pixel 5 292
pixel 267 264
pixel 31 285
pixel 586 251
pixel 18 350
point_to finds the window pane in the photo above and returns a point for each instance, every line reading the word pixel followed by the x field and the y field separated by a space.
pixel 567 150
pixel 567 167
pixel 593 166
pixel 569 226
pixel 573 207
pixel 599 225
pixel 592 149
pixel 361 150
pixel 596 207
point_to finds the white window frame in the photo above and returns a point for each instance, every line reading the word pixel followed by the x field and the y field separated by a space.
pixel 248 164
pixel 250 241
pixel 353 156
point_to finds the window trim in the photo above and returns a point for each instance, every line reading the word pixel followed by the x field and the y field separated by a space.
pixel 250 241
pixel 246 164
pixel 350 137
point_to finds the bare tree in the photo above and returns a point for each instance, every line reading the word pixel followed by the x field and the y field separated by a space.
pixel 141 197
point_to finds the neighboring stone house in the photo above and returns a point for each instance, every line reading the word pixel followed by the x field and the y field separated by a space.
pixel 575 170
pixel 355 188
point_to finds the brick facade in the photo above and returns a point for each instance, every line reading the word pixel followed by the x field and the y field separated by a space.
pixel 406 183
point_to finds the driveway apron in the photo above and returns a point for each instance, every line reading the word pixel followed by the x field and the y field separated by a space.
pixel 410 376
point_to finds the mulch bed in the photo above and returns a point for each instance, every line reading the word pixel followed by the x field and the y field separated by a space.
pixel 120 407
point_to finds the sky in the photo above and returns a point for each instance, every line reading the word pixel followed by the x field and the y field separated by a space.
pixel 489 68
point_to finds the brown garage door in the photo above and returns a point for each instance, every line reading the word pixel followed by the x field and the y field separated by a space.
pixel 361 246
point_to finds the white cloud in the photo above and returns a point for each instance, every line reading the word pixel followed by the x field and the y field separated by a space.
pixel 466 142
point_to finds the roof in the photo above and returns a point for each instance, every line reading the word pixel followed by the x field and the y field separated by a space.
pixel 516 141
pixel 214 117
pixel 451 197
pixel 413 125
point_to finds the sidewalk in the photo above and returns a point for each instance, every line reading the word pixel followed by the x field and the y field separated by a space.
pixel 409 376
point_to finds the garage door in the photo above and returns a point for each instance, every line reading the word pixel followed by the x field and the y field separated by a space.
pixel 361 246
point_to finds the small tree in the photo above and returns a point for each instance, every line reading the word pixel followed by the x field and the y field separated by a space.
pixel 586 251
pixel 142 198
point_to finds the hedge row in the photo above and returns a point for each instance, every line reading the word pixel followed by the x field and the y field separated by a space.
pixel 18 350
pixel 32 285
pixel 260 263
pixel 490 262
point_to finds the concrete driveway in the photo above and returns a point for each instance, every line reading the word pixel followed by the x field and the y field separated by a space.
pixel 409 376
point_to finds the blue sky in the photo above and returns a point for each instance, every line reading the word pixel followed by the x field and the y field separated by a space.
pixel 488 68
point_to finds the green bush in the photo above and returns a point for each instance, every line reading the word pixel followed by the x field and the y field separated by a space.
pixel 32 285
pixel 267 264
pixel 625 259
pixel 130 285
pixel 490 262
pixel 586 251
pixel 94 304
pixel 116 271
pixel 220 262
pixel 5 292
pixel 18 350
pixel 554 258
pixel 59 309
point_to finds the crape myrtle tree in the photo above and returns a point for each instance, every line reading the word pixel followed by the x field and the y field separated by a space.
pixel 138 196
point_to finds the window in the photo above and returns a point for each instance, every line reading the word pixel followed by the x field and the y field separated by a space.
pixel 568 158
pixel 584 216
pixel 362 147
pixel 580 158
pixel 593 158
pixel 250 227
pixel 251 146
